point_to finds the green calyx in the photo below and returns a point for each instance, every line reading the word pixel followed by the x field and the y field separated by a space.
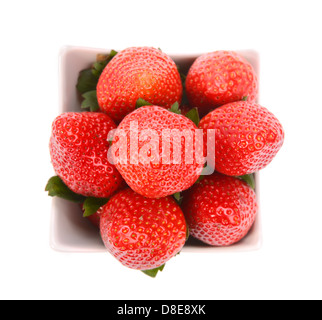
pixel 153 272
pixel 57 188
pixel 178 197
pixel 175 108
pixel 249 179
pixel 193 115
pixel 90 101
pixel 91 205
pixel 88 79
pixel 141 103
pixel 101 63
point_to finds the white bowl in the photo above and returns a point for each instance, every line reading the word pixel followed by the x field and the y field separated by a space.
pixel 69 231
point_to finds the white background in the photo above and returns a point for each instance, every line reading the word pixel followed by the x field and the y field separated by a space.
pixel 287 35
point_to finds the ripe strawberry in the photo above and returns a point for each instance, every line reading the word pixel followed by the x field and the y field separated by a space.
pixel 78 149
pixel 218 78
pixel 155 170
pixel 248 137
pixel 138 72
pixel 95 219
pixel 142 233
pixel 219 209
pixel 185 109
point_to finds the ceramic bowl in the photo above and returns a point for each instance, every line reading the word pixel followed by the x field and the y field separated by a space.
pixel 69 231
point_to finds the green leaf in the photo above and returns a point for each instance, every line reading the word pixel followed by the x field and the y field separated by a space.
pixel 112 54
pixel 101 63
pixel 57 188
pixel 98 68
pixel 201 177
pixel 175 108
pixel 90 101
pixel 177 196
pixel 92 205
pixel 141 103
pixel 87 81
pixel 244 98
pixel 193 115
pixel 249 179
pixel 153 272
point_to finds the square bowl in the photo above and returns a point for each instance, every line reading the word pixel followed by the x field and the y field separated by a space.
pixel 69 231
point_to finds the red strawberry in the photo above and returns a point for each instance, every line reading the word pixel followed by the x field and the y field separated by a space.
pixel 248 137
pixel 219 209
pixel 95 219
pixel 218 78
pixel 142 233
pixel 157 171
pixel 185 109
pixel 135 73
pixel 78 149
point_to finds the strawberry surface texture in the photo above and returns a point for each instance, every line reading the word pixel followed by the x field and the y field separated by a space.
pixel 155 171
pixel 219 209
pixel 142 233
pixel 248 137
pixel 138 72
pixel 220 77
pixel 78 149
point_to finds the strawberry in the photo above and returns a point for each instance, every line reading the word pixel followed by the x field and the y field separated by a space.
pixel 218 78
pixel 78 149
pixel 185 108
pixel 95 219
pixel 138 72
pixel 248 137
pixel 142 233
pixel 155 170
pixel 219 209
